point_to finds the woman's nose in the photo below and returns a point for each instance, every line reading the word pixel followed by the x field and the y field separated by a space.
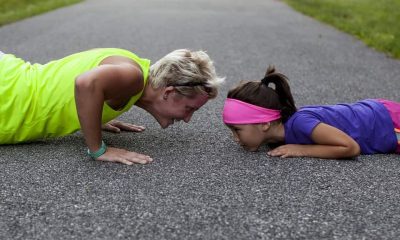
pixel 188 117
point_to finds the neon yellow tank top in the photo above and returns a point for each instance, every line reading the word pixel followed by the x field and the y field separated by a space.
pixel 37 101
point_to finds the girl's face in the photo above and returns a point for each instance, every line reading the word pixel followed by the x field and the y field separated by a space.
pixel 249 136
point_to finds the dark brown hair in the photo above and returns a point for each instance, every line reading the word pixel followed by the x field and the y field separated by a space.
pixel 261 94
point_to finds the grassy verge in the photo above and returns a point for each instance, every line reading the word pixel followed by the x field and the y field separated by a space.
pixel 13 10
pixel 377 23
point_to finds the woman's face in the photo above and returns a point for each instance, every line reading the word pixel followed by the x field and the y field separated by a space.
pixel 177 107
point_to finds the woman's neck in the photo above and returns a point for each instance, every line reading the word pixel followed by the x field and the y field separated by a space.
pixel 148 99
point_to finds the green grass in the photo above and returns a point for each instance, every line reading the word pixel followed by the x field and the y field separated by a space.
pixel 375 22
pixel 13 10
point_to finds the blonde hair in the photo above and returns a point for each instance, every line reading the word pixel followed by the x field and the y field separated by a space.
pixel 190 72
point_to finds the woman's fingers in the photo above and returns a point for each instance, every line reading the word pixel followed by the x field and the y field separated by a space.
pixel 131 127
pixel 139 158
pixel 124 156
pixel 113 125
pixel 110 128
pixel 124 161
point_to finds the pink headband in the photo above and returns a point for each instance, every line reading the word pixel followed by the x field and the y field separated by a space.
pixel 238 112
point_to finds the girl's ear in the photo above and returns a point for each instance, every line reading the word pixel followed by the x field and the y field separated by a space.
pixel 265 126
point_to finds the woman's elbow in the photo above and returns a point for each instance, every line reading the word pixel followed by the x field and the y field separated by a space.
pixel 83 84
pixel 85 87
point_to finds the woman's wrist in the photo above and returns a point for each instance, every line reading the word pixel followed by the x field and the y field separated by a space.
pixel 99 152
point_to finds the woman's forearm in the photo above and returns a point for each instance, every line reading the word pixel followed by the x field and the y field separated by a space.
pixel 89 104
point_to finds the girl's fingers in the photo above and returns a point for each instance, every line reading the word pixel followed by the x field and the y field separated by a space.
pixel 285 155
pixel 275 153
pixel 272 153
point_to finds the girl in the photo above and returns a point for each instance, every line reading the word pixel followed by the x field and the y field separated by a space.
pixel 264 111
pixel 87 90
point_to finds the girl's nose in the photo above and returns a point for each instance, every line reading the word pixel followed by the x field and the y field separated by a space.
pixel 236 138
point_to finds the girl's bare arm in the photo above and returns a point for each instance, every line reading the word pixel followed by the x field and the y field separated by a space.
pixel 330 143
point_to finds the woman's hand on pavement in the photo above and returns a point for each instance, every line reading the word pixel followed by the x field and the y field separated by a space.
pixel 124 156
pixel 116 126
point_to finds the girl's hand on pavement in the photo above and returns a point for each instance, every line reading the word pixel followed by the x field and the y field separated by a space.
pixel 288 150
pixel 124 156
pixel 116 126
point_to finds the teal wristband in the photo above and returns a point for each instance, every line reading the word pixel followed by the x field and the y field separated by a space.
pixel 99 152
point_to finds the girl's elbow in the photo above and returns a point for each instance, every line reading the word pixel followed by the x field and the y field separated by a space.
pixel 353 150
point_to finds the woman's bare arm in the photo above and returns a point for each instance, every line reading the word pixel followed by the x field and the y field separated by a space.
pixel 105 83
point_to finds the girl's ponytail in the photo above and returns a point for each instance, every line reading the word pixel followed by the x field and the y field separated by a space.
pixel 259 93
pixel 282 88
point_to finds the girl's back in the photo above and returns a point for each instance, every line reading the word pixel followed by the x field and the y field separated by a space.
pixel 332 132
pixel 368 122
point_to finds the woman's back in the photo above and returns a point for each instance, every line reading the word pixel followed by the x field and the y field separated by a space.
pixel 39 101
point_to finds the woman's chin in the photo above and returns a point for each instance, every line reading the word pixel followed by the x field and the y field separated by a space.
pixel 164 125
pixel 167 124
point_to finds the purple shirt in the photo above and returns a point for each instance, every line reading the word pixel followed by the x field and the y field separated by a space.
pixel 368 122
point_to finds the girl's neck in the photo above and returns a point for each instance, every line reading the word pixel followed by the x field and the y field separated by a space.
pixel 276 133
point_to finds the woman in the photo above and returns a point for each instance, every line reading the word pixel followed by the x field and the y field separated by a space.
pixel 87 90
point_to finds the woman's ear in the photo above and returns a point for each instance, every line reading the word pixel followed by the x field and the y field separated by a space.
pixel 167 91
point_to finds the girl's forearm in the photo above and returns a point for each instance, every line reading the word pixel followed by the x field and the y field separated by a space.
pixel 317 151
pixel 330 152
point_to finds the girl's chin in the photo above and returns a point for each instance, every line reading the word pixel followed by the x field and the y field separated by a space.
pixel 254 149
pixel 250 149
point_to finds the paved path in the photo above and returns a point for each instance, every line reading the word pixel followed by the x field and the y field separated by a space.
pixel 202 185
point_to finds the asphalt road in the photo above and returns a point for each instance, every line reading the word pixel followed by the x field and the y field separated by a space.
pixel 201 184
